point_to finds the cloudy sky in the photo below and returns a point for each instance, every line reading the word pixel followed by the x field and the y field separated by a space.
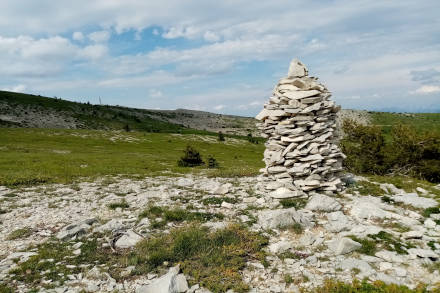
pixel 222 56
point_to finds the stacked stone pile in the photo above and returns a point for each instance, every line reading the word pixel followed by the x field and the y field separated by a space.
pixel 299 121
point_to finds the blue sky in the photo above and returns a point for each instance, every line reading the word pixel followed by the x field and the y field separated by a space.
pixel 222 56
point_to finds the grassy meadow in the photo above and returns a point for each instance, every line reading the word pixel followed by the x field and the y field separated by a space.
pixel 422 122
pixel 32 156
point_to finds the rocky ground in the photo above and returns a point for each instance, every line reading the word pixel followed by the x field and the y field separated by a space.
pixel 389 235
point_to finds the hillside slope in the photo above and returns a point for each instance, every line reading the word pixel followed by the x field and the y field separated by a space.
pixel 24 110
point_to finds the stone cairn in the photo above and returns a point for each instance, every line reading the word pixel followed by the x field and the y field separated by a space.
pixel 299 121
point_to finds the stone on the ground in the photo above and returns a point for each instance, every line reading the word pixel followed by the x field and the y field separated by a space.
pixel 324 203
pixel 76 229
pixel 282 218
pixel 171 282
pixel 284 192
pixel 344 245
pixel 128 240
pixel 416 201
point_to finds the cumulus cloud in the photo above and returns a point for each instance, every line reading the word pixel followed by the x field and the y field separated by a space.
pixel 99 37
pixel 428 89
pixel 19 88
pixel 78 36
pixel 154 93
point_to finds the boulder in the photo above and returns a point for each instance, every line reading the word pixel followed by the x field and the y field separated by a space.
pixel 282 218
pixel 415 200
pixel 324 203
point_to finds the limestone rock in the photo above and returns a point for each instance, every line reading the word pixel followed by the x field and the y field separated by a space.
pixel 344 245
pixel 284 192
pixel 416 201
pixel 324 203
pixel 171 282
pixel 128 240
pixel 297 69
pixel 281 218
pixel 76 229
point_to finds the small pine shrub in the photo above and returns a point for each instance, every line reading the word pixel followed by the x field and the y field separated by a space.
pixel 252 139
pixel 221 136
pixel 212 162
pixel 191 158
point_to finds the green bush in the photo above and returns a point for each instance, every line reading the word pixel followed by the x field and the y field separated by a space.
pixel 212 162
pixel 403 151
pixel 221 136
pixel 191 158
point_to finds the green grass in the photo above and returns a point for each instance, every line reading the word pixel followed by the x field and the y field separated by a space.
pixel 33 270
pixel 334 286
pixel 408 184
pixel 20 233
pixel 218 200
pixel 32 156
pixel 367 188
pixel 386 241
pixel 421 121
pixel 368 246
pixel 296 203
pixel 176 215
pixel 212 259
pixel 122 204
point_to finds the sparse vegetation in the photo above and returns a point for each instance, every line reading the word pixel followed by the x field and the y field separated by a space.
pixel 122 204
pixel 296 203
pixel 20 233
pixel 367 188
pixel 212 259
pixel 160 216
pixel 368 246
pixel 334 286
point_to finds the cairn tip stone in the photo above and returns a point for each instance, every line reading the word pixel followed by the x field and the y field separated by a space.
pixel 297 69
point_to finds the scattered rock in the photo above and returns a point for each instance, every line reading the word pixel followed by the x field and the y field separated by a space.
pixel 344 245
pixel 76 229
pixel 128 240
pixel 324 203
pixel 416 201
pixel 171 282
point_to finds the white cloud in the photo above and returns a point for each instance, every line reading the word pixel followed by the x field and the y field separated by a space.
pixel 78 36
pixel 99 37
pixel 93 52
pixel 428 89
pixel 219 107
pixel 20 88
pixel 154 93
pixel 211 36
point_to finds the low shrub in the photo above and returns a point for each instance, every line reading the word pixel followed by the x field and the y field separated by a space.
pixel 191 158
pixel 212 162
pixel 401 152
